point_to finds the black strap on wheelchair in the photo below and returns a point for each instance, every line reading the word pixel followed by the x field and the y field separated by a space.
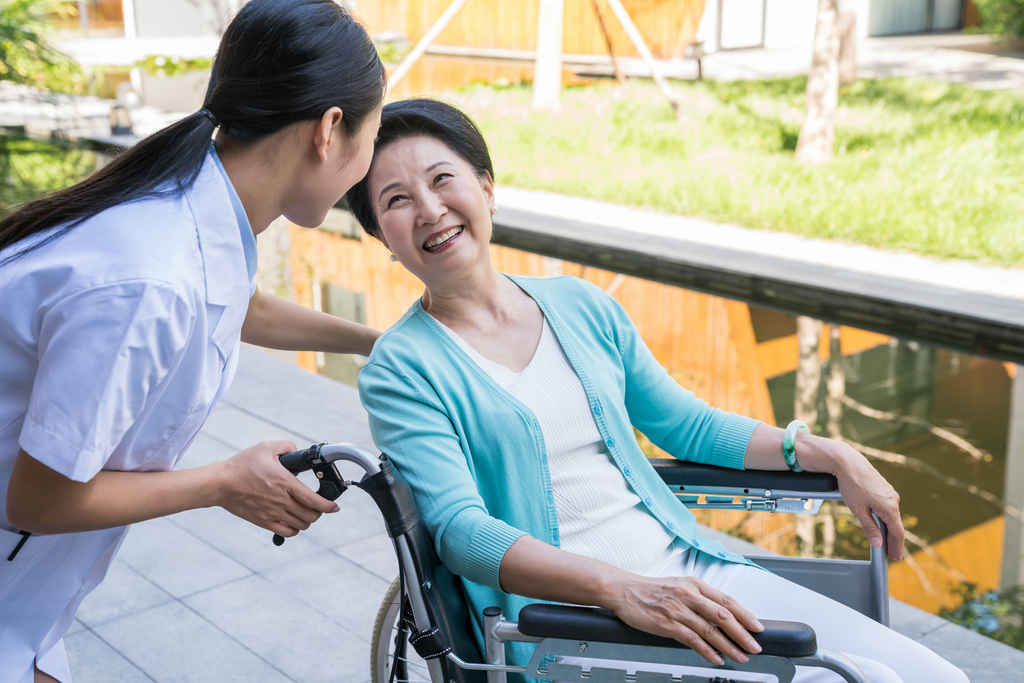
pixel 428 644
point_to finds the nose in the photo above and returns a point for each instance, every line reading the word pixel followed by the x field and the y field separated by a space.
pixel 429 208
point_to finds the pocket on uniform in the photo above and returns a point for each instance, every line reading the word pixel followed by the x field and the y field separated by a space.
pixel 9 540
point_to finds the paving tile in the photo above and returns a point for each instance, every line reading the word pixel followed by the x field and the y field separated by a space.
pixel 204 450
pixel 247 544
pixel 983 660
pixel 358 518
pixel 123 592
pixel 93 661
pixel 344 592
pixel 240 429
pixel 266 619
pixel 376 554
pixel 173 644
pixel 315 406
pixel 76 626
pixel 912 622
pixel 175 560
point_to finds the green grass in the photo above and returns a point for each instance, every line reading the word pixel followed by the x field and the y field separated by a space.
pixel 932 168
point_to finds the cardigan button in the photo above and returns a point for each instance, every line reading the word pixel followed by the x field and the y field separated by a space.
pixel 627 471
pixel 670 526
pixel 611 443
pixel 597 409
pixel 648 502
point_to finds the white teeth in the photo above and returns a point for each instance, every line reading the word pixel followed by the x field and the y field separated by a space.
pixel 442 238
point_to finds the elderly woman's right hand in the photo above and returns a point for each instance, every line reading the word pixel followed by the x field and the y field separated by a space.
pixel 683 608
pixel 257 488
pixel 688 610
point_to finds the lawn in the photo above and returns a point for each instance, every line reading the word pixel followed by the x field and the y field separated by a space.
pixel 932 168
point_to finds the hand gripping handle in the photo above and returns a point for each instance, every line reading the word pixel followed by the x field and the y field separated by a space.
pixel 331 483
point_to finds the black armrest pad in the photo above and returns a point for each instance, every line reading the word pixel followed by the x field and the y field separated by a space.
pixel 679 473
pixel 781 638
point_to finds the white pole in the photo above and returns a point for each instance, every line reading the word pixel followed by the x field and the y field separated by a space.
pixel 547 69
pixel 128 14
pixel 410 59
pixel 641 47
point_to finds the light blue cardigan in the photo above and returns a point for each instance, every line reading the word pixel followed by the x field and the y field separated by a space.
pixel 474 456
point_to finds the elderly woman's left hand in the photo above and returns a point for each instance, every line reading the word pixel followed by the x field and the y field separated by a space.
pixel 866 492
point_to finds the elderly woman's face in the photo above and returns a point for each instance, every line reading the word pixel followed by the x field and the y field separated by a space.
pixel 433 211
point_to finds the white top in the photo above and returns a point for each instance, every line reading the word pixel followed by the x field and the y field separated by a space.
pixel 116 341
pixel 599 516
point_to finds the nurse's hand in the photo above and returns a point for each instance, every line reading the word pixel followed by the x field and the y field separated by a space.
pixel 257 488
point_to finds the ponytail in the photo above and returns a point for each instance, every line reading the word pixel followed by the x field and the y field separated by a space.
pixel 279 62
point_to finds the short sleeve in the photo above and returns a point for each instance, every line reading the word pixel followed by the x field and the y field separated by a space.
pixel 102 351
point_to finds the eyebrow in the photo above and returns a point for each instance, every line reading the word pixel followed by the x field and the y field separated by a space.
pixel 428 169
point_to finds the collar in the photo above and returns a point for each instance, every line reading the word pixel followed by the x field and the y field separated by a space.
pixel 244 228
pixel 220 237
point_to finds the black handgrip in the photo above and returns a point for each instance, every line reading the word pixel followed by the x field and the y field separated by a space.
pixel 331 483
pixel 298 461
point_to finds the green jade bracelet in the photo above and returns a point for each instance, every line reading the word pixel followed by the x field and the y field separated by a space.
pixel 789 444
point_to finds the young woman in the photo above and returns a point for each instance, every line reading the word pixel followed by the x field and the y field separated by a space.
pixel 123 300
pixel 508 403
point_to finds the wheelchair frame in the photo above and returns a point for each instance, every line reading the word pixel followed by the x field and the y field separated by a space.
pixel 440 617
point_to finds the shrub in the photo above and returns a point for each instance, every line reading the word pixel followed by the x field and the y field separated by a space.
pixel 1002 17
pixel 998 615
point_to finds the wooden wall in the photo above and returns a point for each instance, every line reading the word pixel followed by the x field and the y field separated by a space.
pixel 668 27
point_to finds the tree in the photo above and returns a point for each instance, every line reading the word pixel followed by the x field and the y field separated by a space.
pixel 26 55
pixel 805 406
pixel 817 136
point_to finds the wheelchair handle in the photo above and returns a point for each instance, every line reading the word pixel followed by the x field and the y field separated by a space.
pixel 321 458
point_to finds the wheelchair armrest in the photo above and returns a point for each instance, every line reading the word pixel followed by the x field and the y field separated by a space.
pixel 779 638
pixel 682 475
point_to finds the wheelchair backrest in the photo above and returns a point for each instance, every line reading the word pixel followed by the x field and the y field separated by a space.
pixel 441 589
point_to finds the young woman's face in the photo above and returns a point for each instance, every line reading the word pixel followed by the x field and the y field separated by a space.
pixel 434 212
pixel 348 160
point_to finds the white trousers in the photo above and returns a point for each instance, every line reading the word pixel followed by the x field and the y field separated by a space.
pixel 884 655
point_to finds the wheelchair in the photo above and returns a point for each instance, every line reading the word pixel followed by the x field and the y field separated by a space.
pixel 423 631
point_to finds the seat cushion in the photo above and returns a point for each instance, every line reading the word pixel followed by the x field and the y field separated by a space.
pixel 780 638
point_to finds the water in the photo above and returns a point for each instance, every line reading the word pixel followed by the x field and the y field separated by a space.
pixel 944 416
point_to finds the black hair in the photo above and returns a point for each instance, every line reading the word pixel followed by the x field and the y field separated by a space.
pixel 431 118
pixel 279 62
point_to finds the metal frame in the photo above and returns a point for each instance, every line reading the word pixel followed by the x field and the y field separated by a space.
pixel 498 630
pixel 872 574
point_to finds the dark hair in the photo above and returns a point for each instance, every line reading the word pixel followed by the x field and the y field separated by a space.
pixel 431 118
pixel 279 62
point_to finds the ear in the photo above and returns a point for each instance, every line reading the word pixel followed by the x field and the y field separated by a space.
pixel 328 132
pixel 487 183
pixel 379 234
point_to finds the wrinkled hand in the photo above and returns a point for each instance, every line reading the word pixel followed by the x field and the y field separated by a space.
pixel 866 492
pixel 257 488
pixel 691 612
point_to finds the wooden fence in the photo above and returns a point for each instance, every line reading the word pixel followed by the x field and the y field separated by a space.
pixel 668 27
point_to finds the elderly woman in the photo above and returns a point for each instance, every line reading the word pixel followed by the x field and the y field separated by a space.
pixel 508 403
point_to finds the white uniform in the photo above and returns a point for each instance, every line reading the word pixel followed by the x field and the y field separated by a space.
pixel 116 341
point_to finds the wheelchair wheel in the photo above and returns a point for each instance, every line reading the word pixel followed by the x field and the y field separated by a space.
pixel 384 649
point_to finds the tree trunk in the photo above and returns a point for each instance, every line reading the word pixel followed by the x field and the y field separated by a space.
pixel 847 45
pixel 817 136
pixel 805 407
pixel 835 385
pixel 547 71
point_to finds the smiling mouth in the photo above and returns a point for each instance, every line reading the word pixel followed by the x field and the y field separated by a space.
pixel 442 239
